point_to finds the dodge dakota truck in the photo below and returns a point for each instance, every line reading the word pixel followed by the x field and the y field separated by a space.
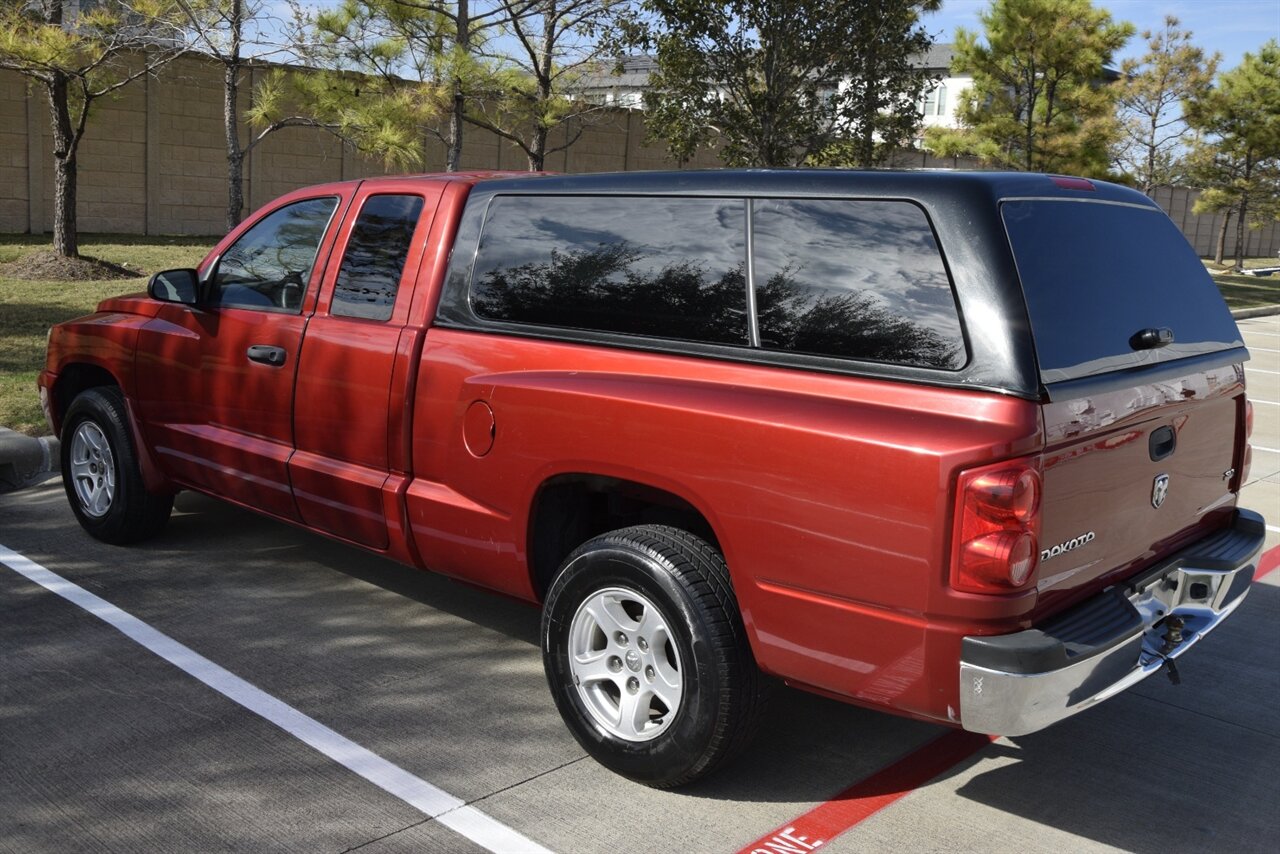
pixel 965 447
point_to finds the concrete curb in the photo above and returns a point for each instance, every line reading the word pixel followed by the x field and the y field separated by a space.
pixel 25 461
pixel 1257 311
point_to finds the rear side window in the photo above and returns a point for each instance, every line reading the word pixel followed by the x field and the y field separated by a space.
pixel 854 279
pixel 374 259
pixel 1095 274
pixel 665 267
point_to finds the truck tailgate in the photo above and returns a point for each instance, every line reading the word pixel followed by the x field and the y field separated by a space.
pixel 1132 474
pixel 1141 365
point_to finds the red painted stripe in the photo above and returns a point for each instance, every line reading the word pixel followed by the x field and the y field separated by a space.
pixel 863 799
pixel 868 796
pixel 1267 564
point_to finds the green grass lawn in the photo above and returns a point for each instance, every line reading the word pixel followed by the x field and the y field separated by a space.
pixel 29 308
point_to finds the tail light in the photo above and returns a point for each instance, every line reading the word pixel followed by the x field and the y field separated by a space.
pixel 997 527
pixel 1246 458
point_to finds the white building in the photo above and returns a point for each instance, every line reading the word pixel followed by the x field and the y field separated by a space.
pixel 937 103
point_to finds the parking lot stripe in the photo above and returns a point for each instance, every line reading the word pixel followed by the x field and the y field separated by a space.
pixel 1268 563
pixel 868 796
pixel 430 800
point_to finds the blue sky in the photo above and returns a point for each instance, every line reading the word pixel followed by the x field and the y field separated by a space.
pixel 1231 27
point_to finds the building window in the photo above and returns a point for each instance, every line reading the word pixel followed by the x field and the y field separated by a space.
pixel 935 101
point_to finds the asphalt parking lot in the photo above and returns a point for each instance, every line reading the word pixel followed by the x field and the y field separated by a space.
pixel 156 734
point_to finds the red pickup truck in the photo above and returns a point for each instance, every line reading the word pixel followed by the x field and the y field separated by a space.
pixel 964 447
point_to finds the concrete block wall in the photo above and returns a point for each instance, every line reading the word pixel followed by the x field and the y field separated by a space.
pixel 1202 230
pixel 14 187
pixel 187 166
pixel 111 186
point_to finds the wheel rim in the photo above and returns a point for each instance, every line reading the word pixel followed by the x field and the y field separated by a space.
pixel 93 469
pixel 625 664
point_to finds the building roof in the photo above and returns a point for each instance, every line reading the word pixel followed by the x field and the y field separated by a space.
pixel 937 58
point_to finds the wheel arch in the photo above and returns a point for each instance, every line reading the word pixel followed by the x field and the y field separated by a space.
pixel 78 377
pixel 570 508
pixel 73 379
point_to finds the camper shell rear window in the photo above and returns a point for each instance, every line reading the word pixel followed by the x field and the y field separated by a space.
pixel 1096 273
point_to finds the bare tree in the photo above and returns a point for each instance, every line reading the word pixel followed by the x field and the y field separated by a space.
pixel 531 90
pixel 1150 95
pixel 461 31
pixel 227 31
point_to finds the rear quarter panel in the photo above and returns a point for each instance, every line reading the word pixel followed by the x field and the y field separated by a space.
pixel 830 496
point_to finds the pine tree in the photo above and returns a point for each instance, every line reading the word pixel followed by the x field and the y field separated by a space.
pixel 1039 100
pixel 1150 95
pixel 1237 158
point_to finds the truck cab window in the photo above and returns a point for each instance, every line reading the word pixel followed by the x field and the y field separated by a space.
pixel 269 266
pixel 374 259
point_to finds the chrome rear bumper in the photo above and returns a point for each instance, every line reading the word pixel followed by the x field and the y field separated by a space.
pixel 1019 683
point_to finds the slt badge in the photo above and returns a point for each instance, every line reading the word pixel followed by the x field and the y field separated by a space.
pixel 1159 490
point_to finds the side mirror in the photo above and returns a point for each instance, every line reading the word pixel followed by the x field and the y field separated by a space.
pixel 182 286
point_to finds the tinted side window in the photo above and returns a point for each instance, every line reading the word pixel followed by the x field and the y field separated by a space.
pixel 269 266
pixel 374 259
pixel 664 267
pixel 855 279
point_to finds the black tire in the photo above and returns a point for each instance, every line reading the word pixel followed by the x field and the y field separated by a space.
pixel 721 693
pixel 100 471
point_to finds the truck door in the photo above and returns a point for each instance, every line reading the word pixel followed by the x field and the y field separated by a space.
pixel 215 380
pixel 348 417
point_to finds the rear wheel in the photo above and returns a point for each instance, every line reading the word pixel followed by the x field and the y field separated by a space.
pixel 646 655
pixel 100 471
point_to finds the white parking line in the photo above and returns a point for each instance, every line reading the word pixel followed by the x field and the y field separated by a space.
pixel 1251 369
pixel 1266 450
pixel 1262 350
pixel 434 802
pixel 1264 402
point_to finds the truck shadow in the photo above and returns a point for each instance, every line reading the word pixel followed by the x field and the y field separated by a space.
pixel 1158 767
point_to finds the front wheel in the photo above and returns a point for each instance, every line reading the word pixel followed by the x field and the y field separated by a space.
pixel 100 471
pixel 647 657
